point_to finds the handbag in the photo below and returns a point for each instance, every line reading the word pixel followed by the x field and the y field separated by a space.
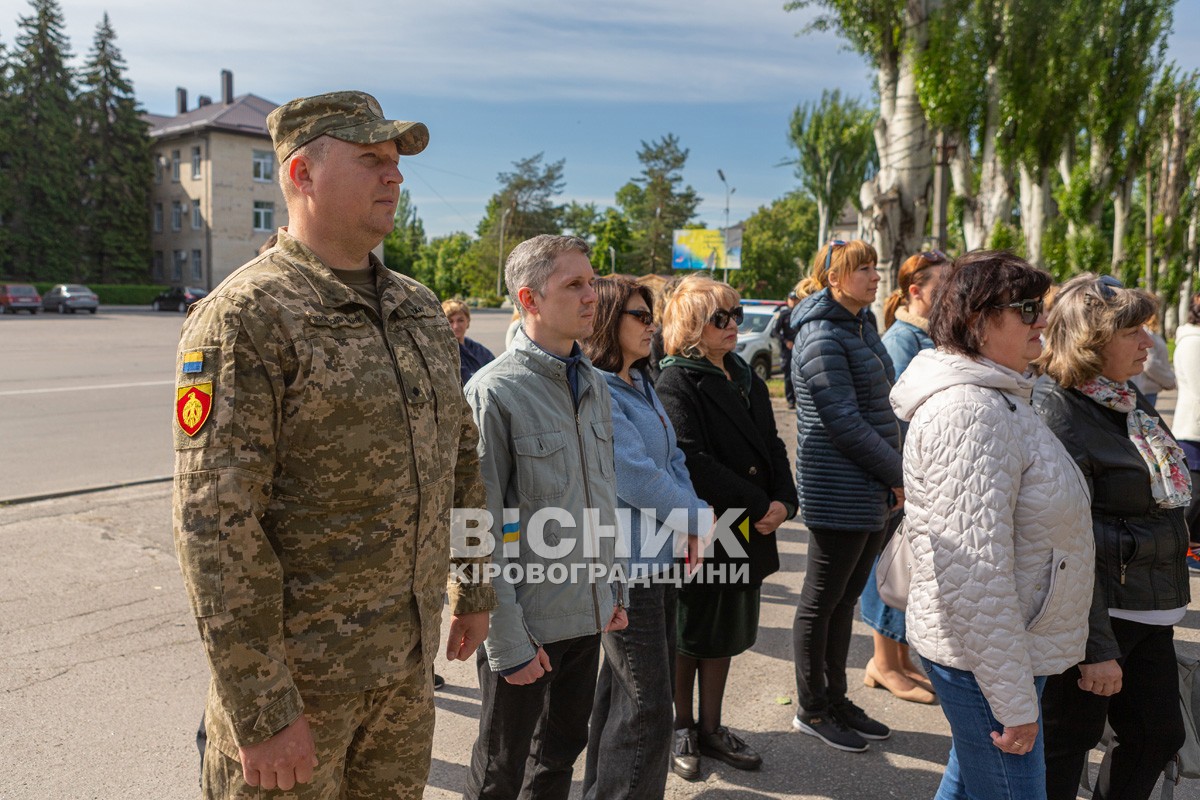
pixel 893 571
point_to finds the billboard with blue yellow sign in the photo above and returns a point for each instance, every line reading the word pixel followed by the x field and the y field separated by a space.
pixel 704 248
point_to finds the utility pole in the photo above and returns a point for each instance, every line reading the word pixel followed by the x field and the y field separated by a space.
pixel 500 255
pixel 725 230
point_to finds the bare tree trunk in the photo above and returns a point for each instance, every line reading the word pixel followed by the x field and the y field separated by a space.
pixel 1191 265
pixel 1173 181
pixel 823 222
pixel 1035 209
pixel 904 144
pixel 1121 201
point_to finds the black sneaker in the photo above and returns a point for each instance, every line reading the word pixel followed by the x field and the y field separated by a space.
pixel 685 755
pixel 831 730
pixel 857 720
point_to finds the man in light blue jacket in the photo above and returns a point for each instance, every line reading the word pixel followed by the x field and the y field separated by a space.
pixel 546 453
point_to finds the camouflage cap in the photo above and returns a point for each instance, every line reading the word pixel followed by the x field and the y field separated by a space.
pixel 350 116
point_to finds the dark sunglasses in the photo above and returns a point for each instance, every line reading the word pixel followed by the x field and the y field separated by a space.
pixel 1029 310
pixel 935 256
pixel 829 253
pixel 1108 286
pixel 640 314
pixel 720 318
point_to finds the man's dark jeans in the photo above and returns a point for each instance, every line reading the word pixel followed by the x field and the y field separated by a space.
pixel 544 724
pixel 630 744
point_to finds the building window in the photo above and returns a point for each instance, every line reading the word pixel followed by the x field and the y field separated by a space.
pixel 197 266
pixel 158 265
pixel 196 163
pixel 159 161
pixel 175 166
pixel 264 165
pixel 176 215
pixel 158 217
pixel 180 263
pixel 197 220
pixel 264 215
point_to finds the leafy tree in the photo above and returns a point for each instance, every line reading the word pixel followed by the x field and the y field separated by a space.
pixel 891 35
pixel 44 160
pixel 777 242
pixel 612 231
pixel 402 247
pixel 836 149
pixel 580 219
pixel 440 266
pixel 523 207
pixel 8 118
pixel 656 204
pixel 118 167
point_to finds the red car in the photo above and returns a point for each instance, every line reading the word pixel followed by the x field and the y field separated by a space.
pixel 16 297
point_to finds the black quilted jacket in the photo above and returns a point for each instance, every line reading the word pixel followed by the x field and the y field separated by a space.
pixel 847 436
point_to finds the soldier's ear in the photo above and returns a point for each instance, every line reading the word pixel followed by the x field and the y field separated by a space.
pixel 299 174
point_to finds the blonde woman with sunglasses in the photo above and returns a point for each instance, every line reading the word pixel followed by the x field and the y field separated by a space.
pixel 848 477
pixel 726 427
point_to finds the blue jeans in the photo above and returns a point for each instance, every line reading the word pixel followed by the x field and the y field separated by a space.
pixel 878 615
pixel 977 769
pixel 629 746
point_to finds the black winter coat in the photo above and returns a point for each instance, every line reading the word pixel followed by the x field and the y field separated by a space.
pixel 1141 549
pixel 847 436
pixel 734 454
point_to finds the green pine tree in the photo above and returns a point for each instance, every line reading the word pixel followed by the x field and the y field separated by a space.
pixel 44 160
pixel 656 204
pixel 118 167
pixel 402 247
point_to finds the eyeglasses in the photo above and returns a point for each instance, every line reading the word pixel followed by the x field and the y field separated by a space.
pixel 829 252
pixel 935 256
pixel 720 318
pixel 641 315
pixel 1029 310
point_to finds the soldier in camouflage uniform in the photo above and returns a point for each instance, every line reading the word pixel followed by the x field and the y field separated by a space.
pixel 322 440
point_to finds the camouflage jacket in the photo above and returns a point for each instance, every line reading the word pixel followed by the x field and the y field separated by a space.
pixel 317 462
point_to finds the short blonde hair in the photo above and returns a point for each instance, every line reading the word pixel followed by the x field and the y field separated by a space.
pixel 1086 315
pixel 687 311
pixel 452 307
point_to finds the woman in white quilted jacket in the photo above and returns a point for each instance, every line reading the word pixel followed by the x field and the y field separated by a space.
pixel 997 514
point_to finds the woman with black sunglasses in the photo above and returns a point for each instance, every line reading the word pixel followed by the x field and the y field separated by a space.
pixel 726 427
pixel 848 476
pixel 1140 487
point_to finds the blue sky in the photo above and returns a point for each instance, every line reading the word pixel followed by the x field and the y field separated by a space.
pixel 500 80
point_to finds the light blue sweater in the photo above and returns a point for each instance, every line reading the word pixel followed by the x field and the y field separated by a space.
pixel 651 472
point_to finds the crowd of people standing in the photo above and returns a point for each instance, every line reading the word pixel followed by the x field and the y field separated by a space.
pixel 620 441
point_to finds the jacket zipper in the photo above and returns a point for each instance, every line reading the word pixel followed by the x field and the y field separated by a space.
pixel 587 494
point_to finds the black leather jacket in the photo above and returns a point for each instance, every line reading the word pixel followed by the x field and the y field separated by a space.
pixel 1141 549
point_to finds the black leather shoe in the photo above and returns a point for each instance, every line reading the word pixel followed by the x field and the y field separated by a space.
pixel 722 744
pixel 438 681
pixel 685 755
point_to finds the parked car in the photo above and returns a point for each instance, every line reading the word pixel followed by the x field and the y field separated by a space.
pixel 67 298
pixel 756 344
pixel 178 298
pixel 16 297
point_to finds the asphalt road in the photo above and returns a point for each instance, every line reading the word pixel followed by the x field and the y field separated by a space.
pixel 87 401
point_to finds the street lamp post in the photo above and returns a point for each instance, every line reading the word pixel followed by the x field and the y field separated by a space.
pixel 500 255
pixel 725 230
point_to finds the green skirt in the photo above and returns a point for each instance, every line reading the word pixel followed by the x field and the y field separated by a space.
pixel 717 623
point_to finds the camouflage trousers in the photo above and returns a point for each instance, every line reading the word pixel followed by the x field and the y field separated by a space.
pixel 370 746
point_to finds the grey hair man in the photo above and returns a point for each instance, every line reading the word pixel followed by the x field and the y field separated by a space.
pixel 545 420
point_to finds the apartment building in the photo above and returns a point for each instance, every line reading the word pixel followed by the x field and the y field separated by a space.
pixel 215 197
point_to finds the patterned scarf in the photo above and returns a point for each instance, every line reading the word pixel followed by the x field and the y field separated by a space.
pixel 1170 481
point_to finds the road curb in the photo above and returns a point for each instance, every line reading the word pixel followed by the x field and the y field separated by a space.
pixel 34 498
